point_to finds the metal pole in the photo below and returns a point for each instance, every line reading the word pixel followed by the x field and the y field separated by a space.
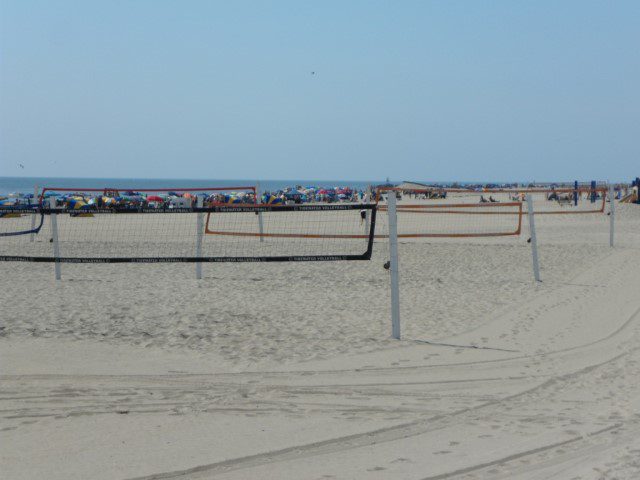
pixel 54 234
pixel 575 193
pixel 612 214
pixel 33 217
pixel 533 240
pixel 393 266
pixel 199 233
pixel 365 199
pixel 258 201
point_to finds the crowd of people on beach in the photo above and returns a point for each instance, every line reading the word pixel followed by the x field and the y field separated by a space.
pixel 112 198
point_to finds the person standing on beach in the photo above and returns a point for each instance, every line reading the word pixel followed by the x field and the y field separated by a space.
pixel 363 215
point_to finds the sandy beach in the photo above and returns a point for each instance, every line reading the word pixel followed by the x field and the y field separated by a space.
pixel 288 371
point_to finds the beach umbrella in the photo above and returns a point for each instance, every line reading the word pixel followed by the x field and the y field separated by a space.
pixel 76 204
pixel 154 198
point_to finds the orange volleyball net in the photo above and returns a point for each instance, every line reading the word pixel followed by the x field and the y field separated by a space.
pixel 424 213
pixel 546 201
pixel 343 229
pixel 419 218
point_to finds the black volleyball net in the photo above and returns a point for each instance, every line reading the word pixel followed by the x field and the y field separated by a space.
pixel 219 233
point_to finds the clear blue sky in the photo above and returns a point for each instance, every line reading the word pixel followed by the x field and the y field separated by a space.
pixel 425 90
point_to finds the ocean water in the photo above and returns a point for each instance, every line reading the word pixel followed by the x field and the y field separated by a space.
pixel 27 184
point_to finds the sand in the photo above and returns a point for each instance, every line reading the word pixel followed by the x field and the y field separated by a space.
pixel 287 370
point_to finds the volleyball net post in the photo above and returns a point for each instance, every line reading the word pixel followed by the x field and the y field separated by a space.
pixel 199 236
pixel 612 214
pixel 393 265
pixel 533 240
pixel 33 217
pixel 55 239
pixel 367 217
pixel 260 221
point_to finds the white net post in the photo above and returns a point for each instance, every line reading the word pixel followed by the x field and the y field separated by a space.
pixel 33 217
pixel 199 234
pixel 533 239
pixel 258 201
pixel 612 214
pixel 54 238
pixel 366 198
pixel 393 265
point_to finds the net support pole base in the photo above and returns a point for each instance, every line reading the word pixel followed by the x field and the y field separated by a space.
pixel 393 266
pixel 533 239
